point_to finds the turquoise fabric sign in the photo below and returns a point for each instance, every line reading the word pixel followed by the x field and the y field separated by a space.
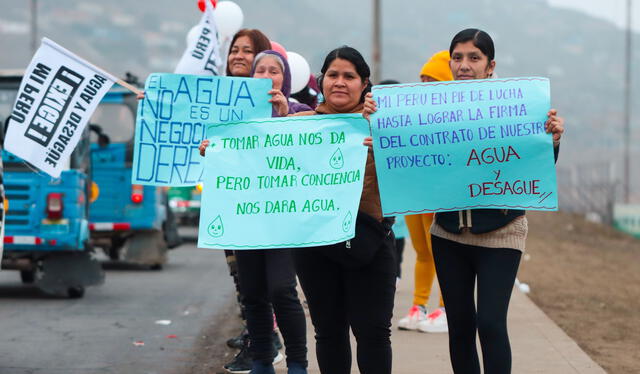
pixel 447 146
pixel 173 117
pixel 283 182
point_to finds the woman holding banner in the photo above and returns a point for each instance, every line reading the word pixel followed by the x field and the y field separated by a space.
pixel 244 46
pixel 346 291
pixel 482 244
pixel 267 277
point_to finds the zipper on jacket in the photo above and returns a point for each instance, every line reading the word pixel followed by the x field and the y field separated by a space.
pixel 464 219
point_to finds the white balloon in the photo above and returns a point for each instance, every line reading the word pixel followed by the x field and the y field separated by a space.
pixel 300 71
pixel 229 18
pixel 193 34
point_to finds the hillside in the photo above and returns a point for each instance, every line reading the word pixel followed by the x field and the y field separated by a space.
pixel 582 55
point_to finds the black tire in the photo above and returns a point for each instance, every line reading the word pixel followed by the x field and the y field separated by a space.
pixel 114 250
pixel 114 254
pixel 76 292
pixel 156 267
pixel 27 276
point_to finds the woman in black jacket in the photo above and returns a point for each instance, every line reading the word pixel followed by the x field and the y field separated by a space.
pixel 482 244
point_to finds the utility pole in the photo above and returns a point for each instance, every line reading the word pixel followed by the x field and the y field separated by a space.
pixel 34 26
pixel 627 109
pixel 377 50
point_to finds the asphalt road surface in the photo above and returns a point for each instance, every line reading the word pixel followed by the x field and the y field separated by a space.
pixel 120 327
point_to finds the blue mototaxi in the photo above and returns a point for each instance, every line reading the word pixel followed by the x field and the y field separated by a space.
pixel 46 223
pixel 129 222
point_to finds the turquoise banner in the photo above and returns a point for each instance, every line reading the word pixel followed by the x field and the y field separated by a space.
pixel 448 146
pixel 173 117
pixel 283 182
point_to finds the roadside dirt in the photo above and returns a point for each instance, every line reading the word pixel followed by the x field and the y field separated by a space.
pixel 211 352
pixel 586 277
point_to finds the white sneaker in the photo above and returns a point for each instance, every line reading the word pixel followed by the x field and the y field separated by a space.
pixel 417 313
pixel 279 357
pixel 435 322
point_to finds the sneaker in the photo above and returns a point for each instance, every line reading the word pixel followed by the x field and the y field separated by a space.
pixel 237 341
pixel 417 313
pixel 435 322
pixel 241 363
pixel 277 345
pixel 276 340
pixel 279 357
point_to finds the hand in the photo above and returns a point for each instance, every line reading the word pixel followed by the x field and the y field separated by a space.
pixel 368 142
pixel 140 96
pixel 554 125
pixel 370 106
pixel 279 102
pixel 203 147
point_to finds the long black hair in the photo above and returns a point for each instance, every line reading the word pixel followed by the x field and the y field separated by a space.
pixel 353 56
pixel 480 39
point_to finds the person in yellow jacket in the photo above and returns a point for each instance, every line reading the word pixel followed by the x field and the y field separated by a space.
pixel 418 318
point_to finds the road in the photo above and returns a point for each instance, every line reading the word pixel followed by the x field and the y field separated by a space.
pixel 96 334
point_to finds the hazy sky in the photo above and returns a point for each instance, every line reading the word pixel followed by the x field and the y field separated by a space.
pixel 612 10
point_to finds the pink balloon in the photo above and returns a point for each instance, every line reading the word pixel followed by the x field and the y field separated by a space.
pixel 279 48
